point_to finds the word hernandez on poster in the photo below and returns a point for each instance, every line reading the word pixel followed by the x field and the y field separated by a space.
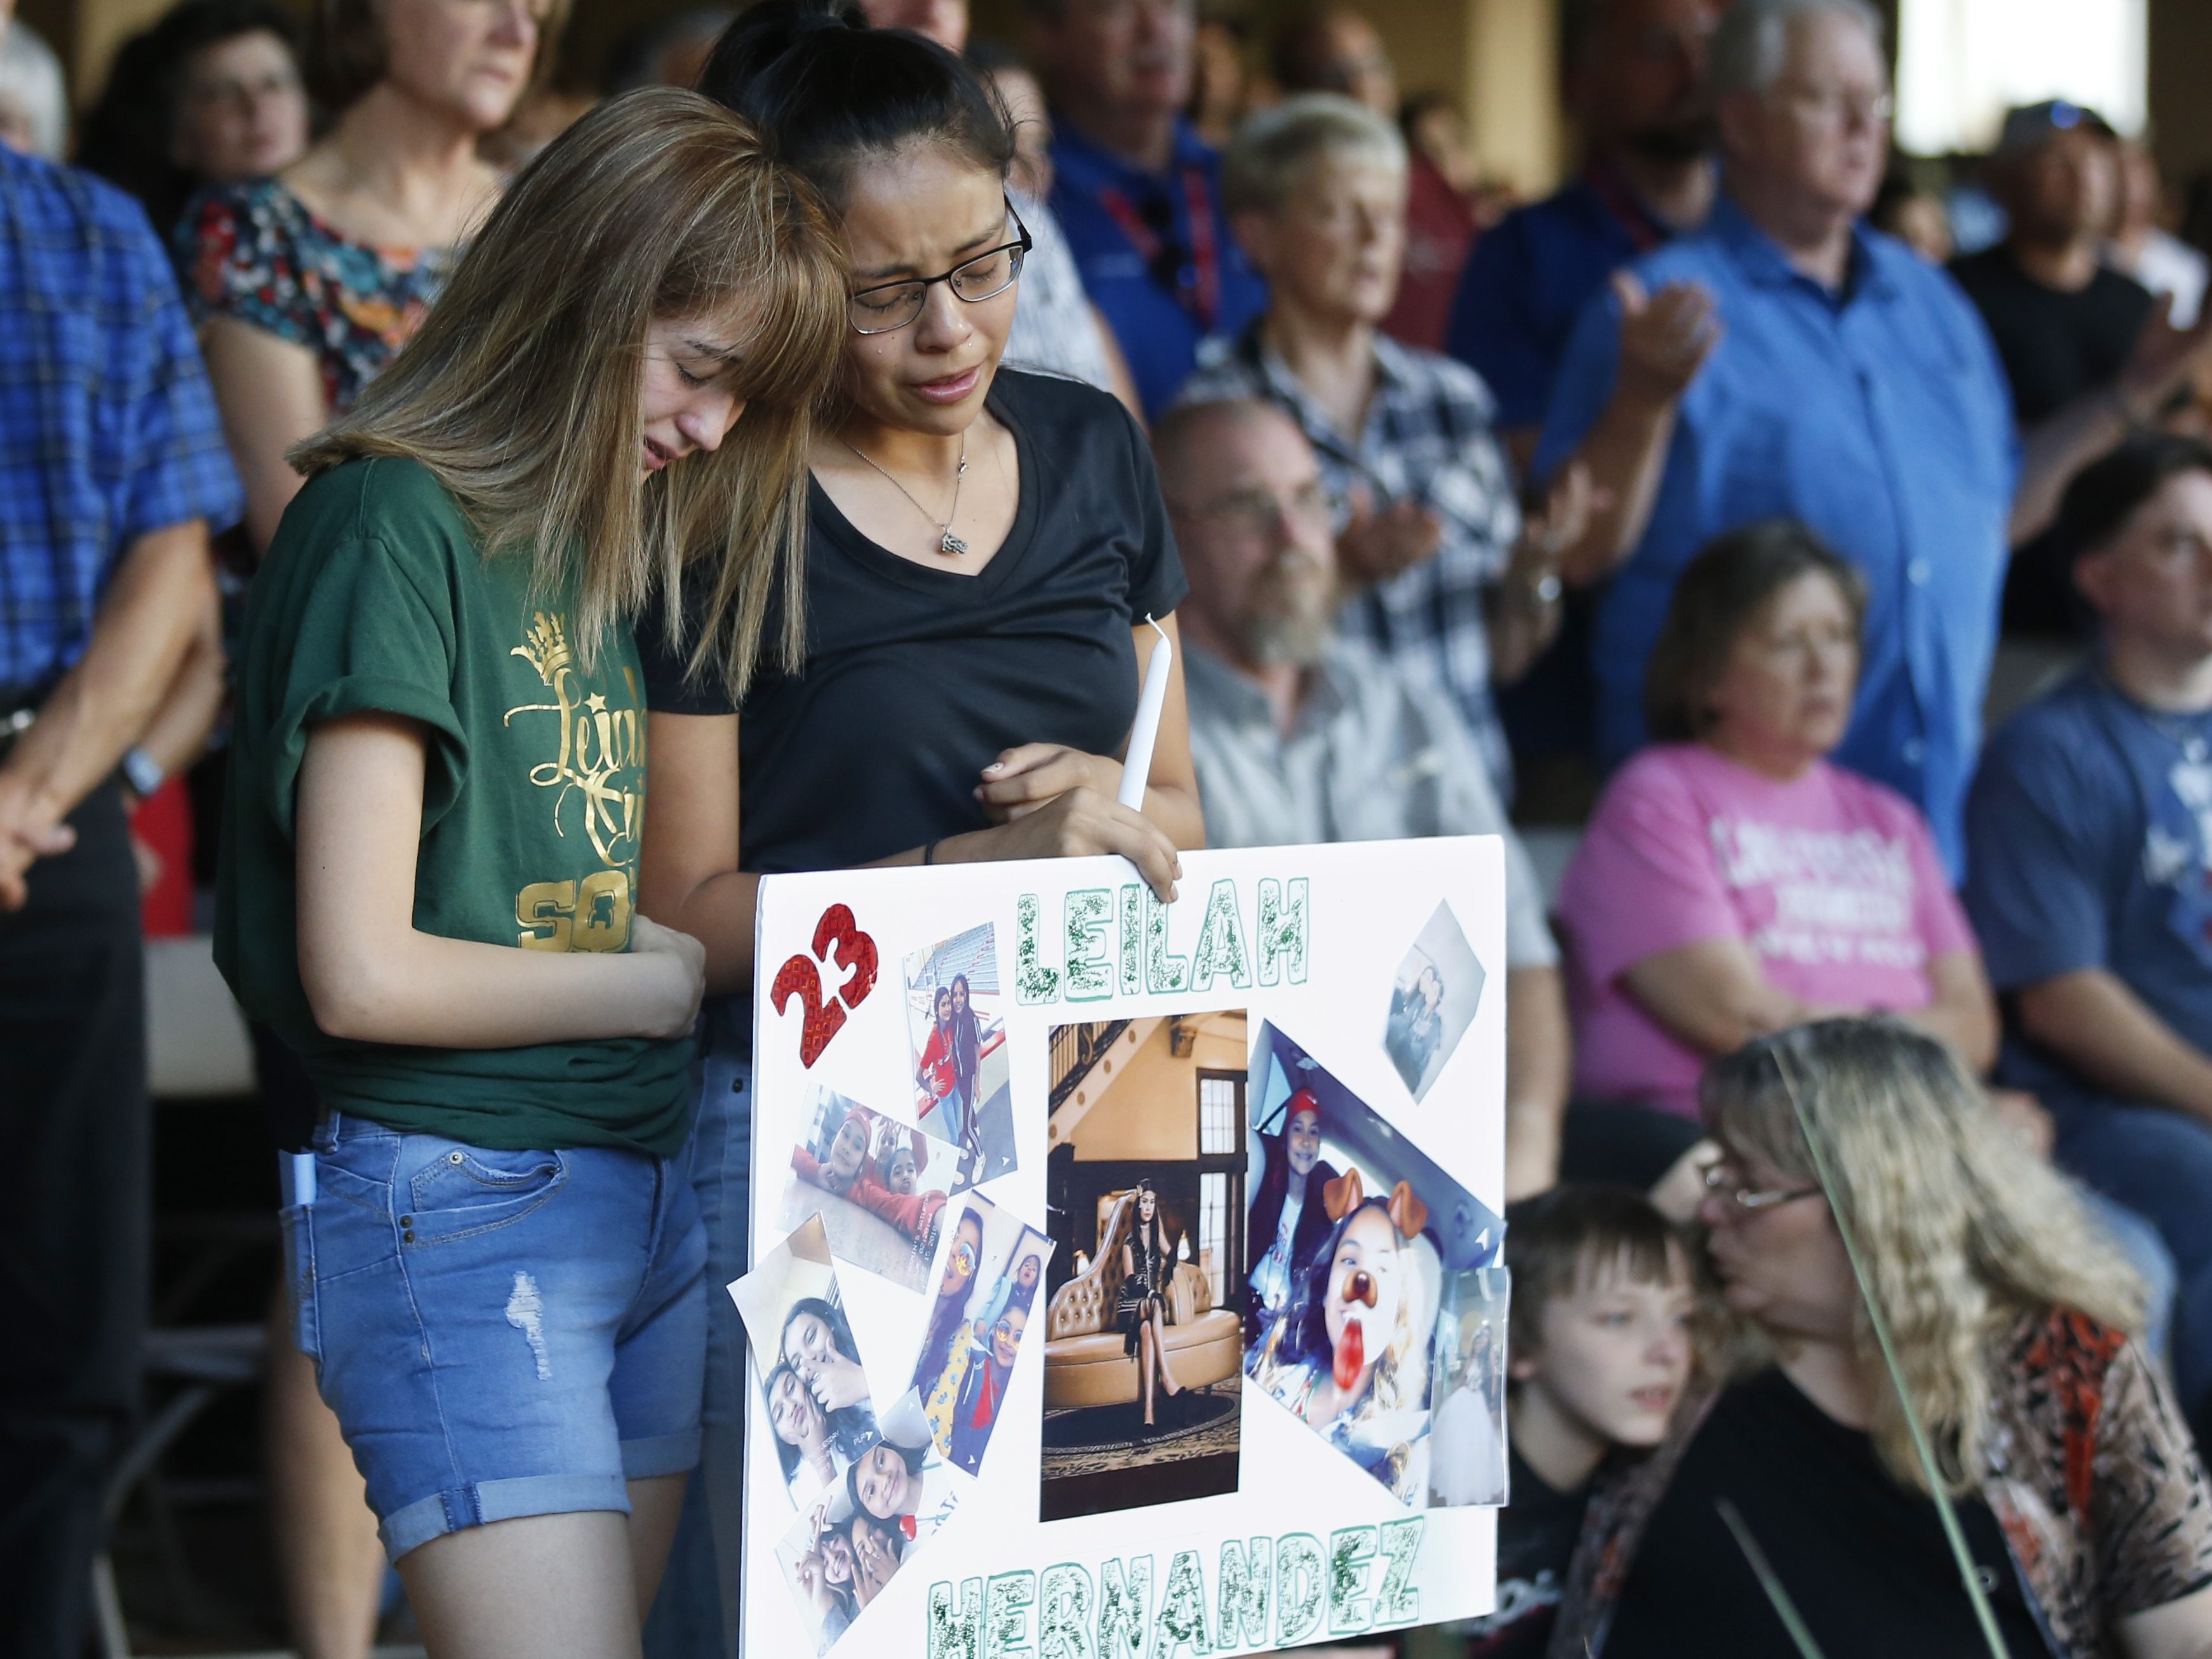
pixel 1127 1276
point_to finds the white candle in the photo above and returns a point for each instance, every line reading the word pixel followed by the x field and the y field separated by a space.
pixel 1137 769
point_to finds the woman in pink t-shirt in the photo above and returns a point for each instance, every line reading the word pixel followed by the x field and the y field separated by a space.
pixel 1733 882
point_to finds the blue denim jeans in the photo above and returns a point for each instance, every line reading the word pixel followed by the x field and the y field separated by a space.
pixel 2158 1164
pixel 501 1334
pixel 695 1614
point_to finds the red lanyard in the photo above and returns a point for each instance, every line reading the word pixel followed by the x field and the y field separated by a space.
pixel 1201 296
pixel 1644 228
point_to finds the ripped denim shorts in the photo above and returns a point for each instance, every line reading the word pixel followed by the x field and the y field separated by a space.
pixel 501 1334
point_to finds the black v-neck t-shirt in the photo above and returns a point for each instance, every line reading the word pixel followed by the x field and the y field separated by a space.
pixel 1864 1558
pixel 916 677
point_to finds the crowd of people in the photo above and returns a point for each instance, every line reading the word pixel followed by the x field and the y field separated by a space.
pixel 490 439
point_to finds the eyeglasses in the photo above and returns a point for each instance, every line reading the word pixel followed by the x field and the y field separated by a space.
pixel 889 306
pixel 1837 106
pixel 1720 1177
pixel 1257 511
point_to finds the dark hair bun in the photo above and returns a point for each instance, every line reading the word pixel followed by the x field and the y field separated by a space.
pixel 830 91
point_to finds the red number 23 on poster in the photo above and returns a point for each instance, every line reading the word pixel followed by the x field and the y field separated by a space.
pixel 837 938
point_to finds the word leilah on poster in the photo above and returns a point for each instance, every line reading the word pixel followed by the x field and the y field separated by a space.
pixel 1126 1277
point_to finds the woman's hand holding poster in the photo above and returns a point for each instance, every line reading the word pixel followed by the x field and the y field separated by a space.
pixel 1130 1275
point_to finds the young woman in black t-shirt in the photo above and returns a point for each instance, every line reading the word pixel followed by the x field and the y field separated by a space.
pixel 984 547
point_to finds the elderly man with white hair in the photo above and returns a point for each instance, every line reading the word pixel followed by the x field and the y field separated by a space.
pixel 34 97
pixel 1429 533
pixel 1843 382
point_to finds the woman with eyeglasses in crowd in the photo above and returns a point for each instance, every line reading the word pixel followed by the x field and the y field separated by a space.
pixel 984 547
pixel 2015 1323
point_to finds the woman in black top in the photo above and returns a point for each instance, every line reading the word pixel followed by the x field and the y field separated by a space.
pixel 1141 1310
pixel 984 548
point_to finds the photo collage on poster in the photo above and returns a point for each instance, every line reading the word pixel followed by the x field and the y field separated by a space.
pixel 883 1187
pixel 1225 1215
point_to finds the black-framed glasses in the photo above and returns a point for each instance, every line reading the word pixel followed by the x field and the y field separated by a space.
pixel 889 306
pixel 1720 1177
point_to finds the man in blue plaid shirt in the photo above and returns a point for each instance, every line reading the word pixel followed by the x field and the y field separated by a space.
pixel 112 473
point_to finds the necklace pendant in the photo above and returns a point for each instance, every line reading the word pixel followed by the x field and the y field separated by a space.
pixel 951 546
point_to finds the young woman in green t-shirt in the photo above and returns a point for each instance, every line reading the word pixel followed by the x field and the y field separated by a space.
pixel 429 884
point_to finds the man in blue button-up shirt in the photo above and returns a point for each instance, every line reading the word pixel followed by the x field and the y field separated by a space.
pixel 112 471
pixel 1137 192
pixel 1853 387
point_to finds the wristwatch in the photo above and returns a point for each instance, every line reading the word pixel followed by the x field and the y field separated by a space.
pixel 142 773
pixel 1542 594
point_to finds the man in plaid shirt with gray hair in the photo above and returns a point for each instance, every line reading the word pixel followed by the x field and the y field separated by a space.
pixel 112 473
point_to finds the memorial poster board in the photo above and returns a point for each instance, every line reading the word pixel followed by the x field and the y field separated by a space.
pixel 1026 1141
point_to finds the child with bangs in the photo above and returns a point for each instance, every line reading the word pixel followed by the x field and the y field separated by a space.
pixel 1601 1347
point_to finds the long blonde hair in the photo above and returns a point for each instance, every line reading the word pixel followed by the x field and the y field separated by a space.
pixel 521 391
pixel 1963 1231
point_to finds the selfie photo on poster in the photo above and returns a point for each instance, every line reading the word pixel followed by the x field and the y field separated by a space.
pixel 1352 1325
pixel 878 1185
pixel 985 1300
pixel 844 1550
pixel 806 1363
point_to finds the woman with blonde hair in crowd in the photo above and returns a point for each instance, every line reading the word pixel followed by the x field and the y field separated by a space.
pixel 429 881
pixel 2082 1500
pixel 304 284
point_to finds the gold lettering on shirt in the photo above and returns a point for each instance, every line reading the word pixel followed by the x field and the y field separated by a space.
pixel 592 914
pixel 599 763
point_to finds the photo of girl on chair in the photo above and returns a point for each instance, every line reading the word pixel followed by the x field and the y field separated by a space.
pixel 1141 1313
pixel 1351 1355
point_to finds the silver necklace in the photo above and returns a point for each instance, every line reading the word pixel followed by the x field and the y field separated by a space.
pixel 947 543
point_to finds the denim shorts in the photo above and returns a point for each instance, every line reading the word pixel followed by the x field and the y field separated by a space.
pixel 501 1334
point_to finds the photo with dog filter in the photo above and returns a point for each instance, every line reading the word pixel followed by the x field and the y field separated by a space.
pixel 1433 997
pixel 878 1185
pixel 1344 1334
pixel 847 1545
pixel 960 1095
pixel 806 1363
pixel 1466 1393
pixel 1144 1329
pixel 986 1295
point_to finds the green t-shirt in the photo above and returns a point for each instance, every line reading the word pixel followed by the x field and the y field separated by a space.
pixel 376 595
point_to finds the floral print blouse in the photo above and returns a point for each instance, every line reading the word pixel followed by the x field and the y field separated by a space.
pixel 255 253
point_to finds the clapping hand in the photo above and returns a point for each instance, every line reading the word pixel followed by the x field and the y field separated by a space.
pixel 2163 359
pixel 1379 543
pixel 1665 337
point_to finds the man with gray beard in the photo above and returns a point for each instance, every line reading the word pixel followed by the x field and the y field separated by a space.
pixel 1300 736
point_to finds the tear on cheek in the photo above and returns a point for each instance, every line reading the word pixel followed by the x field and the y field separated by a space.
pixel 525 1311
